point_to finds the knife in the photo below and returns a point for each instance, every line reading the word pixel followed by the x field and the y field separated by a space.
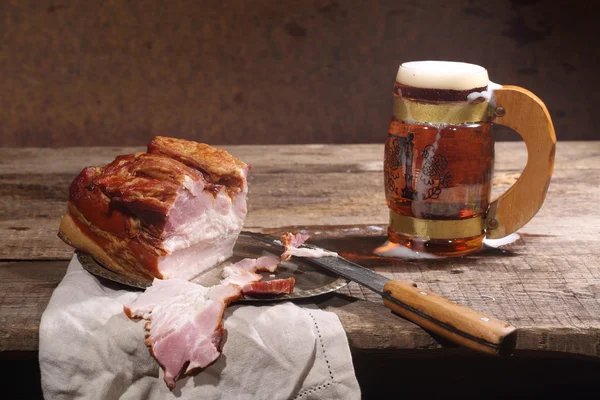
pixel 427 309
pixel 431 311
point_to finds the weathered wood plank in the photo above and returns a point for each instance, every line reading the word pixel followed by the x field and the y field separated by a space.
pixel 25 289
pixel 288 158
pixel 547 284
pixel 554 300
pixel 31 208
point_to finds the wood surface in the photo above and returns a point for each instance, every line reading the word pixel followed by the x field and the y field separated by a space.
pixel 547 284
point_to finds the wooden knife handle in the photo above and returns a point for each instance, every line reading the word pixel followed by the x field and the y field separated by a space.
pixel 454 322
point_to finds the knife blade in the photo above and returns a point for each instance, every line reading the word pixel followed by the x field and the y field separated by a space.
pixel 459 324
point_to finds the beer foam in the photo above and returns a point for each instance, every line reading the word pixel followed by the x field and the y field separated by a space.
pixel 497 243
pixel 487 94
pixel 442 75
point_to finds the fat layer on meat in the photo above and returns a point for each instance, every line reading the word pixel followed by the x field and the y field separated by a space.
pixel 243 273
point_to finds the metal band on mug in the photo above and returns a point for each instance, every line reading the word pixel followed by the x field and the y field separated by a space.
pixel 437 229
pixel 448 113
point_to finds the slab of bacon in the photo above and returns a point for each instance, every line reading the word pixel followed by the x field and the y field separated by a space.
pixel 171 212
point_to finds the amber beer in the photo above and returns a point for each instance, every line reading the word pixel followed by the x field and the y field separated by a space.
pixel 439 158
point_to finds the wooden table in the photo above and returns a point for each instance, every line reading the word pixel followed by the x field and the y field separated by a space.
pixel 547 284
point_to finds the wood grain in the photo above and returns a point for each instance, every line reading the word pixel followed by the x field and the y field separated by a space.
pixel 306 185
pixel 546 287
pixel 25 289
pixel 547 284
pixel 524 112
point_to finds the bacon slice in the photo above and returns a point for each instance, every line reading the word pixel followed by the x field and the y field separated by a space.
pixel 184 324
pixel 265 263
pixel 160 292
pixel 292 242
pixel 275 286
pixel 243 273
pixel 241 278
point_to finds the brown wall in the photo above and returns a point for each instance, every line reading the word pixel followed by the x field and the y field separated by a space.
pixel 102 72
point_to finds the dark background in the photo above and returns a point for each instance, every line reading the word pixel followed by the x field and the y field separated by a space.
pixel 102 72
pixel 288 71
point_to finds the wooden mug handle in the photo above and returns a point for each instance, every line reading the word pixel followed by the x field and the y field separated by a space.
pixel 454 322
pixel 524 112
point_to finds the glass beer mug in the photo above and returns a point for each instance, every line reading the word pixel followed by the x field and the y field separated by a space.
pixel 439 158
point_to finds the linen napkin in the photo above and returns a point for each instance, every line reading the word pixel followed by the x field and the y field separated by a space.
pixel 90 349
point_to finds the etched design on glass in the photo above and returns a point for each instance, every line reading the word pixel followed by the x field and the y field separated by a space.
pixel 434 173
pixel 394 160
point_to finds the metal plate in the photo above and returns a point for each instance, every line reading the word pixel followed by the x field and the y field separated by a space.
pixel 311 280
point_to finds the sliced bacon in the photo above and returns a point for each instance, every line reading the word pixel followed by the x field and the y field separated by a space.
pixel 243 273
pixel 242 278
pixel 275 286
pixel 184 320
pixel 160 292
pixel 265 263
pixel 184 324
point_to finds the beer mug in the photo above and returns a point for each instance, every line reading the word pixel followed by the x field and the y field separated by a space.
pixel 439 158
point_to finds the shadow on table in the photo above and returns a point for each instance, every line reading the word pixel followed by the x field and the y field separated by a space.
pixel 446 373
pixel 457 373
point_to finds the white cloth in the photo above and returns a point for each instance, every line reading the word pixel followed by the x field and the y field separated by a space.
pixel 89 349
